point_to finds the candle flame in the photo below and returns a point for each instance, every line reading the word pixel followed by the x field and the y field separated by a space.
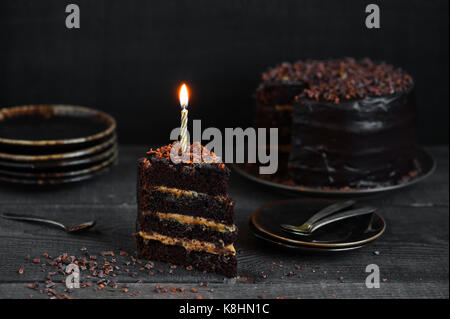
pixel 184 96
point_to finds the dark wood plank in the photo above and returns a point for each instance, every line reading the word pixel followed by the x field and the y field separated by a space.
pixel 413 254
pixel 405 257
pixel 322 289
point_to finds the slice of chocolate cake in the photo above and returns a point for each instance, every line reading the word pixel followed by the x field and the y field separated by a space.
pixel 185 215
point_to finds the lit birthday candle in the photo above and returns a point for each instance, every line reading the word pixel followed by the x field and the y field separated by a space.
pixel 184 100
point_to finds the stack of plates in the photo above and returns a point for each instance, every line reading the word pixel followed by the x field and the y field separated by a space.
pixel 54 144
pixel 347 234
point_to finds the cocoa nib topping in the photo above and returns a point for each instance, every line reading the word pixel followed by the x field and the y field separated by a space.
pixel 196 153
pixel 345 79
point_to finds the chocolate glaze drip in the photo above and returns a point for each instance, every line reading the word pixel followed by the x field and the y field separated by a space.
pixel 357 143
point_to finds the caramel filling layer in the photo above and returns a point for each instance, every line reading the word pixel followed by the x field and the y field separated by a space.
pixel 182 192
pixel 284 107
pixel 192 220
pixel 189 244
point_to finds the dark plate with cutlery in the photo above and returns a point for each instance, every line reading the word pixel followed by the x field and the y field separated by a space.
pixel 353 232
pixel 289 246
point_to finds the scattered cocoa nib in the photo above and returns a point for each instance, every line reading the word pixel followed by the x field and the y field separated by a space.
pixel 102 270
pixel 196 153
pixel 89 267
pixel 107 253
pixel 344 79
pixel 34 286
pixel 149 265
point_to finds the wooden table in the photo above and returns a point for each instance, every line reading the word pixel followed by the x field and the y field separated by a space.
pixel 412 255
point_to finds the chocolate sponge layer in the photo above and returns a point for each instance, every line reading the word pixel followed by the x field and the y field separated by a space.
pixel 220 209
pixel 178 255
pixel 203 178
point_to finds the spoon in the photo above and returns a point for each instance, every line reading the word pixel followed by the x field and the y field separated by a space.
pixel 35 219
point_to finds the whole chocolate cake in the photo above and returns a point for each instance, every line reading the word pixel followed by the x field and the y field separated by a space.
pixel 185 216
pixel 342 123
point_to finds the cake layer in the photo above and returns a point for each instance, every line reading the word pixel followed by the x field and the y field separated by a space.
pixel 175 201
pixel 189 244
pixel 278 93
pixel 355 143
pixel 200 260
pixel 196 172
pixel 182 226
pixel 274 108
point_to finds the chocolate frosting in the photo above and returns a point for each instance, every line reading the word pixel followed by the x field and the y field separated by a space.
pixel 357 143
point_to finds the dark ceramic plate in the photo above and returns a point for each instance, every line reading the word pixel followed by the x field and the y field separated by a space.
pixel 58 164
pixel 288 246
pixel 352 232
pixel 46 129
pixel 63 173
pixel 60 156
pixel 424 160
pixel 56 181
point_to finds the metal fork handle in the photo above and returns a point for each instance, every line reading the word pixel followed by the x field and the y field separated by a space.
pixel 331 209
pixel 344 215
pixel 34 219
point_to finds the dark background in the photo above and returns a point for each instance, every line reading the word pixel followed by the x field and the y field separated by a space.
pixel 129 57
